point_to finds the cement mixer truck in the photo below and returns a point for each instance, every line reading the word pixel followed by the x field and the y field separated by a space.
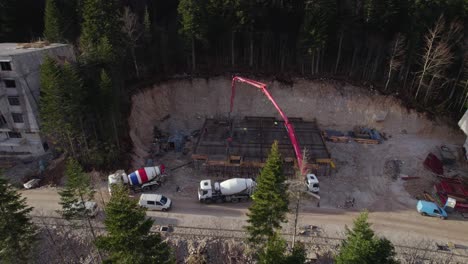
pixel 232 190
pixel 143 179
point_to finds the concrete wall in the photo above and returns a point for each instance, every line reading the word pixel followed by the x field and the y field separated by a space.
pixel 26 74
pixel 463 123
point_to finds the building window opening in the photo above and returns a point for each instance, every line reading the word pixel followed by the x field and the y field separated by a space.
pixel 13 100
pixel 9 83
pixel 5 65
pixel 17 117
pixel 14 135
pixel 2 121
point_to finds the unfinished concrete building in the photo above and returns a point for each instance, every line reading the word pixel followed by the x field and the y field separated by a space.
pixel 19 95
pixel 240 148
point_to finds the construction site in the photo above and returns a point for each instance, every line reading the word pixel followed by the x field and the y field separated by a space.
pixel 240 147
pixel 362 146
pixel 367 151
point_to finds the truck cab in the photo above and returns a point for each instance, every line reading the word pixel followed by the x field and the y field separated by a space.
pixel 155 202
pixel 205 191
pixel 312 183
pixel 116 178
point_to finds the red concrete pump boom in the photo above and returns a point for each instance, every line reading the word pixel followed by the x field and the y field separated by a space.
pixel 287 124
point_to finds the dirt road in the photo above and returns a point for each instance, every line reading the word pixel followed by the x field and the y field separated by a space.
pixel 404 227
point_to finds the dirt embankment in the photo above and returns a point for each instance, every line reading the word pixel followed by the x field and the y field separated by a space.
pixel 184 104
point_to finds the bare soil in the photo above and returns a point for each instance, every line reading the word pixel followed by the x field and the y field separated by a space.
pixel 183 105
pixel 368 175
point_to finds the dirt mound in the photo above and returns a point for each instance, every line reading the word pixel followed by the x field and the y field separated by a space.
pixel 182 105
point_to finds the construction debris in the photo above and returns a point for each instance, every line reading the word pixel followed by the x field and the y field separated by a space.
pixel 364 135
pixel 451 184
pixel 366 141
pixel 434 164
pixel 453 188
pixel 360 135
pixel 309 230
pixel 428 197
pixel 447 155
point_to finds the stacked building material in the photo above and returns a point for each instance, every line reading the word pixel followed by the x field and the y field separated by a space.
pixel 366 135
pixel 335 136
pixel 454 188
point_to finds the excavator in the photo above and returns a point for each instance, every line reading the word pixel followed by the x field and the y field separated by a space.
pixel 310 179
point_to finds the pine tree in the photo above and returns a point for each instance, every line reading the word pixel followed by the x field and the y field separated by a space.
pixel 193 24
pixel 147 24
pixel 128 238
pixel 73 105
pixel 109 102
pixel 77 191
pixel 50 105
pixel 363 247
pixel 61 104
pixel 101 37
pixel 275 252
pixel 298 254
pixel 53 22
pixel 318 18
pixel 270 201
pixel 17 232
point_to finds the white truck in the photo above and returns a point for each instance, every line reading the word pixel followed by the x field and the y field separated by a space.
pixel 312 183
pixel 140 180
pixel 232 190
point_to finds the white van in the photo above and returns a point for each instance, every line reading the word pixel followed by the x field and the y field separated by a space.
pixel 155 202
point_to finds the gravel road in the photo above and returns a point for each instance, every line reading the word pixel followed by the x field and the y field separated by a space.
pixel 405 227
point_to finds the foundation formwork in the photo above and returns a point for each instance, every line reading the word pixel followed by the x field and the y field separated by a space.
pixel 239 148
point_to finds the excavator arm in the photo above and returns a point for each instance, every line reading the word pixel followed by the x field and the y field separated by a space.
pixel 287 124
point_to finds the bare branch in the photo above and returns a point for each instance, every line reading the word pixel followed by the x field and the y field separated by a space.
pixel 438 56
pixel 397 56
pixel 134 32
pixel 130 25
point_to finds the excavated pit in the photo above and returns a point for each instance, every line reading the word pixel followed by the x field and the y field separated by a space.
pixel 183 105
pixel 362 173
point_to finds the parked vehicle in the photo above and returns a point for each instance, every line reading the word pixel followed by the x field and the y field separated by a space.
pixel 88 208
pixel 426 208
pixel 32 184
pixel 312 183
pixel 140 180
pixel 232 190
pixel 155 202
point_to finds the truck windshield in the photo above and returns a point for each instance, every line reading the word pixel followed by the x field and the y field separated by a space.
pixel 163 200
